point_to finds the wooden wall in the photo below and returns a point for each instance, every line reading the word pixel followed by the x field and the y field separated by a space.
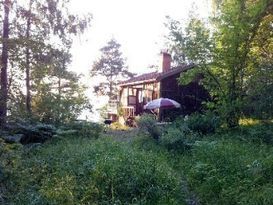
pixel 189 96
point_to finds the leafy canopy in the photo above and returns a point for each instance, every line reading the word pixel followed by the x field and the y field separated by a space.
pixel 227 51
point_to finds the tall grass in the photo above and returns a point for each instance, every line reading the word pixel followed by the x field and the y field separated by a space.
pixel 230 172
pixel 83 171
pixel 225 167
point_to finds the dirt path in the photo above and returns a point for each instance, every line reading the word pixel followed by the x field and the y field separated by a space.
pixel 191 198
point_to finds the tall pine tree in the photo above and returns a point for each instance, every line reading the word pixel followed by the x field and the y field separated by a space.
pixel 111 68
pixel 4 64
pixel 39 24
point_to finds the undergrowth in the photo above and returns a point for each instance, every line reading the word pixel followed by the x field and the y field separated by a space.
pixel 84 171
pixel 220 167
pixel 232 167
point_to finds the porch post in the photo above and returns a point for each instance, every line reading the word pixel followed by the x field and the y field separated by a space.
pixel 160 112
pixel 128 96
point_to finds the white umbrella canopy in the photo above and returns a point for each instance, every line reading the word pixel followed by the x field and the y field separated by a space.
pixel 162 103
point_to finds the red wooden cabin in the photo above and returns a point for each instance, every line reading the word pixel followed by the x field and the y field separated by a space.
pixel 137 91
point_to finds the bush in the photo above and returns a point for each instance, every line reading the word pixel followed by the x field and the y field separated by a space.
pixel 147 123
pixel 83 129
pixel 80 171
pixel 203 123
pixel 178 137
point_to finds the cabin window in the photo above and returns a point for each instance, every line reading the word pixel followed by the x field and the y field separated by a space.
pixel 132 100
pixel 148 95
pixel 132 91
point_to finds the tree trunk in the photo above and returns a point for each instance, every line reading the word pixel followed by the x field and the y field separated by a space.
pixel 233 115
pixel 28 87
pixel 58 118
pixel 111 91
pixel 4 69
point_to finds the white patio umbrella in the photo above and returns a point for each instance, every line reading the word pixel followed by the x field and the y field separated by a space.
pixel 162 103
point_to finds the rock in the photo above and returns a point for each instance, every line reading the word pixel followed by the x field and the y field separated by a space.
pixel 13 138
pixel 33 137
pixel 25 132
pixel 32 146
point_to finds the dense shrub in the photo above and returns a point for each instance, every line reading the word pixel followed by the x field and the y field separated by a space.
pixel 203 123
pixel 82 129
pixel 178 137
pixel 80 171
pixel 148 123
pixel 230 172
pixel 183 132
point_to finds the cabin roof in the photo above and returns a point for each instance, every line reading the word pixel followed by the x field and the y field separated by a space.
pixel 155 76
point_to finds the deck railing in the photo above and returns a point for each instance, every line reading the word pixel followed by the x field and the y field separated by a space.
pixel 128 111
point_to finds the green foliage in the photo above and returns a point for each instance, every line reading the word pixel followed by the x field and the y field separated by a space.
pixel 80 171
pixel 260 104
pixel 147 123
pixel 134 177
pixel 59 94
pixel 233 53
pixel 259 88
pixel 203 123
pixel 39 45
pixel 260 133
pixel 178 137
pixel 182 133
pixel 82 129
pixel 229 167
pixel 60 101
pixel 230 172
pixel 9 155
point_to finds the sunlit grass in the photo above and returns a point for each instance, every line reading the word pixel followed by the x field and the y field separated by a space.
pixel 119 126
pixel 249 121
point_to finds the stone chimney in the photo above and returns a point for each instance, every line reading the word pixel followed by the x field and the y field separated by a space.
pixel 166 61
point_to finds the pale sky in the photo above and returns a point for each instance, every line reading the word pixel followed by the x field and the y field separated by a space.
pixel 138 25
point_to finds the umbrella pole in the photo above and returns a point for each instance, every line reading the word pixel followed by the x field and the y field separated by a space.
pixel 154 114
pixel 160 114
